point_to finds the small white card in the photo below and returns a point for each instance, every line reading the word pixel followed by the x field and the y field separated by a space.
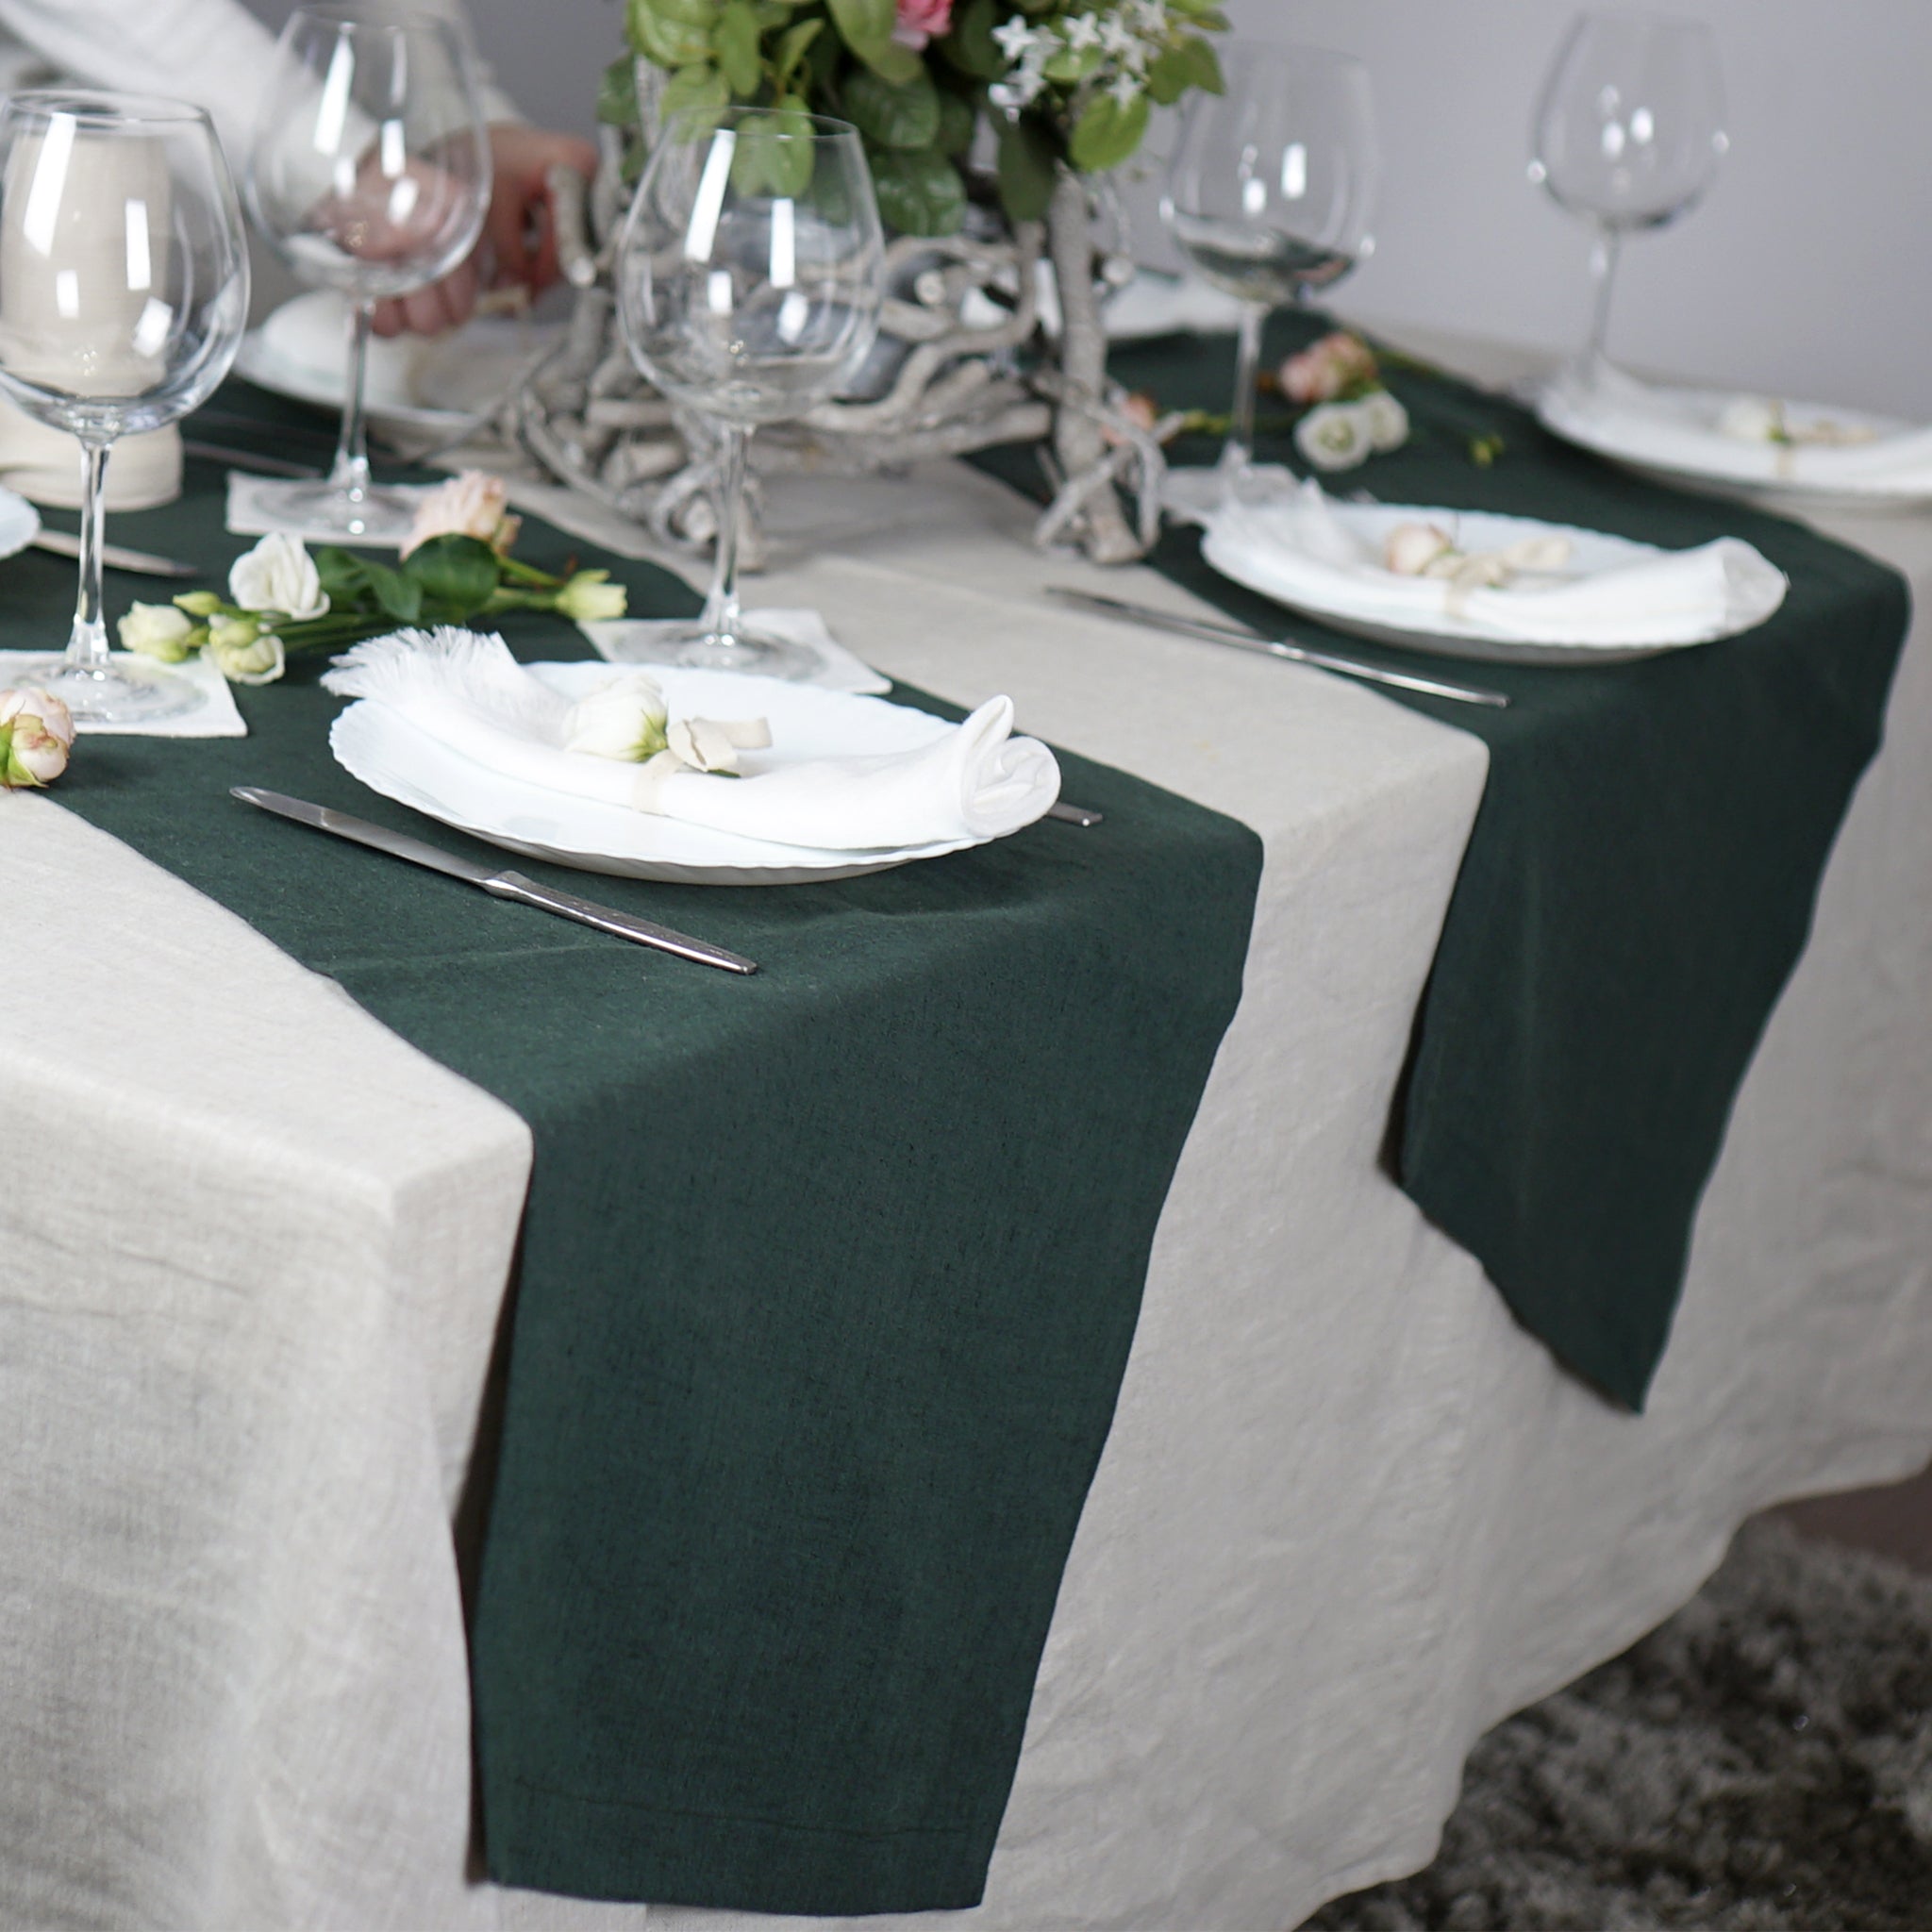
pixel 633 640
pixel 214 717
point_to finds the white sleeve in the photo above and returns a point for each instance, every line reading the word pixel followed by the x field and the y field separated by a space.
pixel 213 53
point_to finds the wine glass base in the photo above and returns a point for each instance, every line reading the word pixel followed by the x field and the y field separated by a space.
pixel 1194 495
pixel 374 515
pixel 747 647
pixel 119 693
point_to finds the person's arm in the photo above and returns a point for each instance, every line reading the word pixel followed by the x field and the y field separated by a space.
pixel 212 52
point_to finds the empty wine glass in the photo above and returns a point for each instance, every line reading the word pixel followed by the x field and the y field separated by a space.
pixel 750 276
pixel 1629 132
pixel 1269 196
pixel 123 295
pixel 369 173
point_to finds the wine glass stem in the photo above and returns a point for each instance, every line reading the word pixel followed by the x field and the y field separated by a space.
pixel 721 607
pixel 349 473
pixel 87 648
pixel 1603 265
pixel 1240 451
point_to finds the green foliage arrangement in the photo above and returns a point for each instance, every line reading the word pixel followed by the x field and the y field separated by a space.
pixel 1057 80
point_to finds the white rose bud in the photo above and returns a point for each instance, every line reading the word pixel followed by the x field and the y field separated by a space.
pixel 278 575
pixel 623 719
pixel 243 652
pixel 1410 548
pixel 1334 436
pixel 1753 419
pixel 156 630
pixel 35 735
pixel 590 598
pixel 1387 419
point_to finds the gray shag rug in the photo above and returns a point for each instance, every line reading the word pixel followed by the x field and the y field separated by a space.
pixel 1763 1761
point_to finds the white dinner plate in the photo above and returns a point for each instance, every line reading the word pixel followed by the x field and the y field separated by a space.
pixel 1671 435
pixel 1347 601
pixel 20 522
pixel 423 387
pixel 402 762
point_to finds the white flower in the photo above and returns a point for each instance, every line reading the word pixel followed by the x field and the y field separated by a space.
pixel 35 735
pixel 1016 39
pixel 1083 30
pixel 1018 91
pixel 1117 37
pixel 158 630
pixel 1125 89
pixel 1387 419
pixel 623 719
pixel 1334 436
pixel 1150 16
pixel 590 598
pixel 1753 419
pixel 278 575
pixel 1409 549
pixel 471 504
pixel 243 652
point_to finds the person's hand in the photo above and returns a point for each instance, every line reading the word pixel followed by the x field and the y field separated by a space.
pixel 519 237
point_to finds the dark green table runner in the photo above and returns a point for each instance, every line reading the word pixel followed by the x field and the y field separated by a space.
pixel 828 1278
pixel 1639 883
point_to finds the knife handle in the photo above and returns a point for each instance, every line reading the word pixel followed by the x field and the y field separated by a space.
pixel 514 885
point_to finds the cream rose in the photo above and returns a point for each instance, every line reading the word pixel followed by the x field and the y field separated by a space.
pixel 1409 549
pixel 623 719
pixel 279 575
pixel 1335 436
pixel 243 652
pixel 35 735
pixel 158 630
pixel 470 504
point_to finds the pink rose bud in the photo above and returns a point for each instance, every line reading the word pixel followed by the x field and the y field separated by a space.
pixel 36 734
pixel 471 504
pixel 921 20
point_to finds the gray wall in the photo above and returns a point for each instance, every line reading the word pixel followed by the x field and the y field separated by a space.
pixel 1804 271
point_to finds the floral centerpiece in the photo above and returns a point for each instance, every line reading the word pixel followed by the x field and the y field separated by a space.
pixel 1060 82
pixel 986 123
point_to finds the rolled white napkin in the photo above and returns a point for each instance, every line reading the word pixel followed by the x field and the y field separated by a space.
pixel 1302 551
pixel 1682 430
pixel 972 781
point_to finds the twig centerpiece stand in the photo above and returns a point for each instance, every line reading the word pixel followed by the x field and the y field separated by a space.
pixel 1052 94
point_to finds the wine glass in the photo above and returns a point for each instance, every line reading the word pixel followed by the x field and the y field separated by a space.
pixel 1269 196
pixel 750 276
pixel 123 295
pixel 1628 134
pixel 369 172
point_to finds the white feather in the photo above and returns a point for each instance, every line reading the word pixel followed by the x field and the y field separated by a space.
pixel 465 669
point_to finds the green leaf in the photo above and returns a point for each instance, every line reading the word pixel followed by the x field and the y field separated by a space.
pixel 889 116
pixel 971 46
pixel 735 39
pixel 340 573
pixel 863 23
pixel 1072 64
pixel 696 98
pixel 457 573
pixel 1028 155
pixel 397 592
pixel 1187 64
pixel 866 27
pixel 774 156
pixel 672 33
pixel 771 13
pixel 957 118
pixel 1106 133
pixel 617 94
pixel 919 192
pixel 793 43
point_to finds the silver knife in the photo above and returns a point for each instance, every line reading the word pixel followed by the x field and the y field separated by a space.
pixel 505 885
pixel 1274 647
pixel 143 562
pixel 252 460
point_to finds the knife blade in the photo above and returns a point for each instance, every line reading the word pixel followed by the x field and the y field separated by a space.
pixel 252 460
pixel 503 885
pixel 1274 647
pixel 143 562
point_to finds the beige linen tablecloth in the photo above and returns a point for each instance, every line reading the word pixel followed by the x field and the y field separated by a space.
pixel 252 1250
